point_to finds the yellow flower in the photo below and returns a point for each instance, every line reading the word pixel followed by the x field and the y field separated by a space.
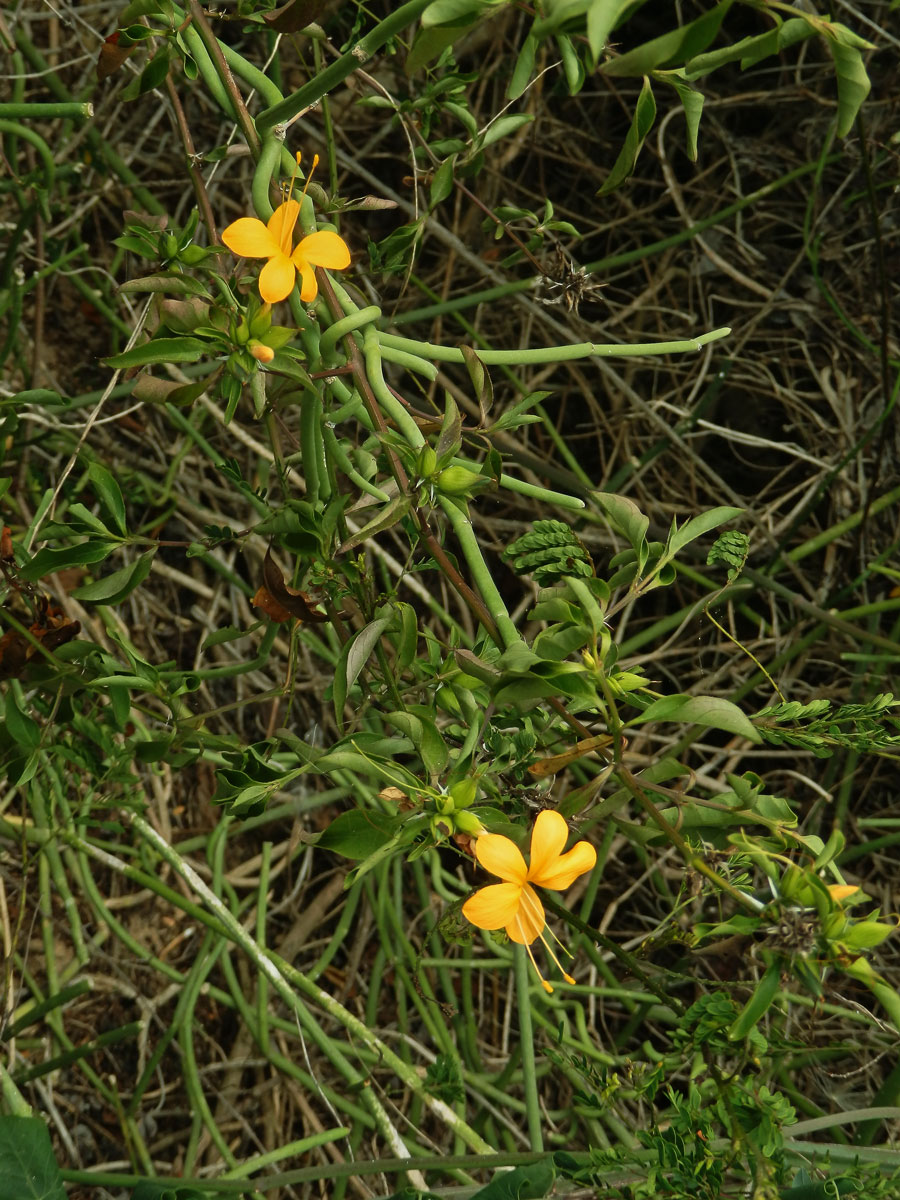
pixel 274 240
pixel 514 904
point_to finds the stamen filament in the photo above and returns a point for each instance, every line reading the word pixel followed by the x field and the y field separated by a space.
pixel 544 984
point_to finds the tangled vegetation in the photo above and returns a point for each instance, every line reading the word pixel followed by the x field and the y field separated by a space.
pixel 450 600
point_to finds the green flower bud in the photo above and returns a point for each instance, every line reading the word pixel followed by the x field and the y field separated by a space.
pixel 458 481
pixel 191 256
pixel 427 462
pixel 441 827
pixel 467 822
pixel 463 793
pixel 444 805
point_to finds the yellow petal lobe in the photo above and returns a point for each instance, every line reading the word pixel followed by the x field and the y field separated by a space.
pixel 249 238
pixel 325 249
pixel 493 907
pixel 276 278
pixel 501 857
pixel 309 289
pixel 563 872
pixel 547 840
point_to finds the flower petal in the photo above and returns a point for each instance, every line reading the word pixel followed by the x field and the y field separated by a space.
pixel 276 278
pixel 249 238
pixel 563 871
pixel 281 224
pixel 529 921
pixel 325 249
pixel 493 907
pixel 501 857
pixel 309 288
pixel 547 840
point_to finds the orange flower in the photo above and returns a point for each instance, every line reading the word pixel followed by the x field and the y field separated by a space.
pixel 274 241
pixel 514 904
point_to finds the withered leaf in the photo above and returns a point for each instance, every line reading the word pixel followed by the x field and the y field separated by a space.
pixel 276 594
pixel 295 15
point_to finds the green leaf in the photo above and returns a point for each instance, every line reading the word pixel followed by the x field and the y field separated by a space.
pixel 162 350
pixel 39 396
pixel 46 561
pixel 169 283
pixel 354 657
pixel 691 102
pixel 28 1168
pixel 358 834
pixel 529 1182
pixel 108 492
pixel 462 12
pixel 22 728
pixel 853 83
pixel 641 124
pixel 112 589
pixel 710 711
pixel 751 50
pixel 625 515
pixel 388 517
pixel 442 183
pixel 503 127
pixel 758 1004
pixel 673 48
pixel 523 69
pixel 425 736
pixel 699 525
pixel 601 20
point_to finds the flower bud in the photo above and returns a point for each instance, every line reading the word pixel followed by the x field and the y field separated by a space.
pixel 427 462
pixel 463 793
pixel 261 352
pixel 441 827
pixel 457 481
pixel 467 822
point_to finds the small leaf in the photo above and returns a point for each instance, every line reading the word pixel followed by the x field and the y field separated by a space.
pixel 673 48
pixel 354 657
pixel 853 82
pixel 641 124
pixel 114 588
pixel 629 520
pixel 691 102
pixel 109 494
pixel 162 350
pixel 358 834
pixel 48 560
pixel 758 1005
pixel 710 711
pixel 504 126
pixel 167 283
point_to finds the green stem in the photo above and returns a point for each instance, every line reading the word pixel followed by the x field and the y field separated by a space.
pixel 325 81
pixel 28 135
pixel 37 111
pixel 551 354
pixel 284 979
pixel 526 1041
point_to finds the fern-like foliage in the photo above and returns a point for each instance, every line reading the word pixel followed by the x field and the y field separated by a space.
pixel 550 551
pixel 731 549
pixel 818 727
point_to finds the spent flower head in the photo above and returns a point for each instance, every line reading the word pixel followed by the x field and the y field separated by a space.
pixel 274 241
pixel 514 905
